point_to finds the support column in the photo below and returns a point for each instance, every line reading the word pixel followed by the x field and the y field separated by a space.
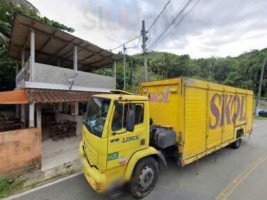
pixel 32 55
pixel 60 107
pixel 22 113
pixel 39 115
pixel 115 73
pixel 17 105
pixel 22 58
pixel 17 112
pixel 58 62
pixel 31 115
pixel 76 112
pixel 75 58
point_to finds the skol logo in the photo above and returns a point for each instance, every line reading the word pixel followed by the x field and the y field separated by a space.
pixel 228 109
pixel 160 97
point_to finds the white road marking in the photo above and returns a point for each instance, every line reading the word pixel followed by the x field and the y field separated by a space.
pixel 42 186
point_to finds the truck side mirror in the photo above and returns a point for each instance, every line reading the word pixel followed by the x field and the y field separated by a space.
pixel 130 120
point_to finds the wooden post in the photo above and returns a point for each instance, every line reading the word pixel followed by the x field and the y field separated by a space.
pixel 31 115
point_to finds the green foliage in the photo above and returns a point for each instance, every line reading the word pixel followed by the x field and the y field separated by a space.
pixel 242 71
pixel 9 186
pixel 53 23
pixel 8 10
pixel 7 70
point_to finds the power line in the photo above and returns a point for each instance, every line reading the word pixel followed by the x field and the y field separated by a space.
pixel 126 42
pixel 159 15
pixel 154 22
pixel 135 46
pixel 179 13
pixel 179 22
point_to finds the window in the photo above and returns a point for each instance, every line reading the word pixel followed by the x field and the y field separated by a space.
pixel 95 117
pixel 120 113
pixel 117 122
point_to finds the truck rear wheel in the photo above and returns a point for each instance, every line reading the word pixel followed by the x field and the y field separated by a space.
pixel 238 142
pixel 144 177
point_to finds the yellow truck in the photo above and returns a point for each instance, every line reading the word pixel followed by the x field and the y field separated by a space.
pixel 126 138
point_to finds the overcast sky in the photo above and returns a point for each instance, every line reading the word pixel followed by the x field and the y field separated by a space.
pixel 213 28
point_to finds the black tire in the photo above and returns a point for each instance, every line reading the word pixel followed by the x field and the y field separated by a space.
pixel 144 177
pixel 238 142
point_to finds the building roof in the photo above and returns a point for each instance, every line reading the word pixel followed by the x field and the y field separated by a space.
pixel 56 96
pixel 25 96
pixel 53 46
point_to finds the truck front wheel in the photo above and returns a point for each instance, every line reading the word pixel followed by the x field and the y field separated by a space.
pixel 144 177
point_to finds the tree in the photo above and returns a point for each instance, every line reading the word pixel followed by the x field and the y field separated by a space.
pixel 242 71
pixel 8 11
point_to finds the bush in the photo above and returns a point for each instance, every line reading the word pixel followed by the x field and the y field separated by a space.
pixel 9 186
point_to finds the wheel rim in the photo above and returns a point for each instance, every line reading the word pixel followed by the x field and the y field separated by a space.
pixel 146 178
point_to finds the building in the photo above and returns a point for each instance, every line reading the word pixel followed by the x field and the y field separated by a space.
pixel 53 84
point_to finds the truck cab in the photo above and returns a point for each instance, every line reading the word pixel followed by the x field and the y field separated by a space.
pixel 115 146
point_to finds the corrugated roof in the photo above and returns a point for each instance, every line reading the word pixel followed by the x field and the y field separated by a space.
pixel 53 45
pixel 25 96
pixel 56 96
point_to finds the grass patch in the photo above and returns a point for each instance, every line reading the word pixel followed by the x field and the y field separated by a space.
pixel 260 118
pixel 9 186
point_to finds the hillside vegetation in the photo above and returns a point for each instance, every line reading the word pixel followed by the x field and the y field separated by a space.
pixel 242 71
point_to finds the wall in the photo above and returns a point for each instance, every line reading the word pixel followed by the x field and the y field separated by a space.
pixel 20 151
pixel 51 74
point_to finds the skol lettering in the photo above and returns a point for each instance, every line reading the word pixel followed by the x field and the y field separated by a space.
pixel 227 109
pixel 160 97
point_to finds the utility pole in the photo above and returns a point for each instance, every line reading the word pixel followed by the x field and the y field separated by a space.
pixel 209 72
pixel 124 67
pixel 145 38
pixel 260 86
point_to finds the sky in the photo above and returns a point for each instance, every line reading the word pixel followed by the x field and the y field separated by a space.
pixel 206 28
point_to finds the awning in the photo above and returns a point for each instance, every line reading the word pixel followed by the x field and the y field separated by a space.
pixel 56 96
pixel 53 46
pixel 14 97
pixel 25 96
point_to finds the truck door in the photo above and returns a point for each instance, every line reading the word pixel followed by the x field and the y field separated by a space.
pixel 121 143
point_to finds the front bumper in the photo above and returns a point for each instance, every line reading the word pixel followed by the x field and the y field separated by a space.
pixel 95 178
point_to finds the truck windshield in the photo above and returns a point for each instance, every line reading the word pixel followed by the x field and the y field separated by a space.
pixel 96 114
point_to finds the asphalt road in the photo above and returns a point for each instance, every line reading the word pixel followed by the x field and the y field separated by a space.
pixel 236 174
